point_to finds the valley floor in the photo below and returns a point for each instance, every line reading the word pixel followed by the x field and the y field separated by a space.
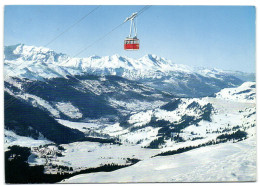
pixel 223 162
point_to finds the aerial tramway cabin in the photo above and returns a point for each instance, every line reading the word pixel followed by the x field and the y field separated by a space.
pixel 131 44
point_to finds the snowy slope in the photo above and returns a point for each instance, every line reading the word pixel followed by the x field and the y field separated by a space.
pixel 13 139
pixel 245 93
pixel 223 162
pixel 93 154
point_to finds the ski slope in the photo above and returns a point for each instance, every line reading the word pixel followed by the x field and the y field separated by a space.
pixel 222 162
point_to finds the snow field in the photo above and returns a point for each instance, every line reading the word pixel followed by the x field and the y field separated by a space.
pixel 244 93
pixel 81 126
pixel 134 105
pixel 69 110
pixel 82 155
pixel 222 162
pixel 12 139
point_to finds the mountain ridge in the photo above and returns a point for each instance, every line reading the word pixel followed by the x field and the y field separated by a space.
pixel 39 63
pixel 148 62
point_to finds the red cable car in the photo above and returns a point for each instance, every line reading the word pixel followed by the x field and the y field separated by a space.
pixel 132 43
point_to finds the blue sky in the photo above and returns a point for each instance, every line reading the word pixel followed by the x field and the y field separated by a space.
pixel 209 36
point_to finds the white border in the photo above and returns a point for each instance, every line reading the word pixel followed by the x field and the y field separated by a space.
pixel 120 2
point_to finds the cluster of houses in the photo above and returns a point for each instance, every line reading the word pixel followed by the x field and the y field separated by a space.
pixel 50 153
pixel 45 151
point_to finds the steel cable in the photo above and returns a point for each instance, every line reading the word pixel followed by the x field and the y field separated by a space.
pixel 102 37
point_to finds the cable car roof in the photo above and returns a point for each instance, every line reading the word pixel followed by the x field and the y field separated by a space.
pixel 131 38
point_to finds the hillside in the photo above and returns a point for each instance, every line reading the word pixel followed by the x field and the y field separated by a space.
pixel 220 163
pixel 171 136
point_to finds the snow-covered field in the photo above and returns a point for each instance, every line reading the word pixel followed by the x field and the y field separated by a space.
pixel 12 139
pixel 82 155
pixel 223 162
pixel 244 93
pixel 81 126
pixel 69 110
pixel 135 105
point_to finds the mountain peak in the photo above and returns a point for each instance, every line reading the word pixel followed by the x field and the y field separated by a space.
pixel 156 59
pixel 116 57
pixel 26 49
pixel 151 57
pixel 31 53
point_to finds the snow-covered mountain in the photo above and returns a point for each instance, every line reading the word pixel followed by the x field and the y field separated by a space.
pixel 54 64
pixel 38 63
pixel 76 113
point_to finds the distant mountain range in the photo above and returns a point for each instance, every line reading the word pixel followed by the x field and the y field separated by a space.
pixel 38 63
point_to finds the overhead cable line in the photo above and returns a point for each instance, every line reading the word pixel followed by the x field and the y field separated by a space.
pixel 55 38
pixel 66 30
pixel 102 37
pixel 73 25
